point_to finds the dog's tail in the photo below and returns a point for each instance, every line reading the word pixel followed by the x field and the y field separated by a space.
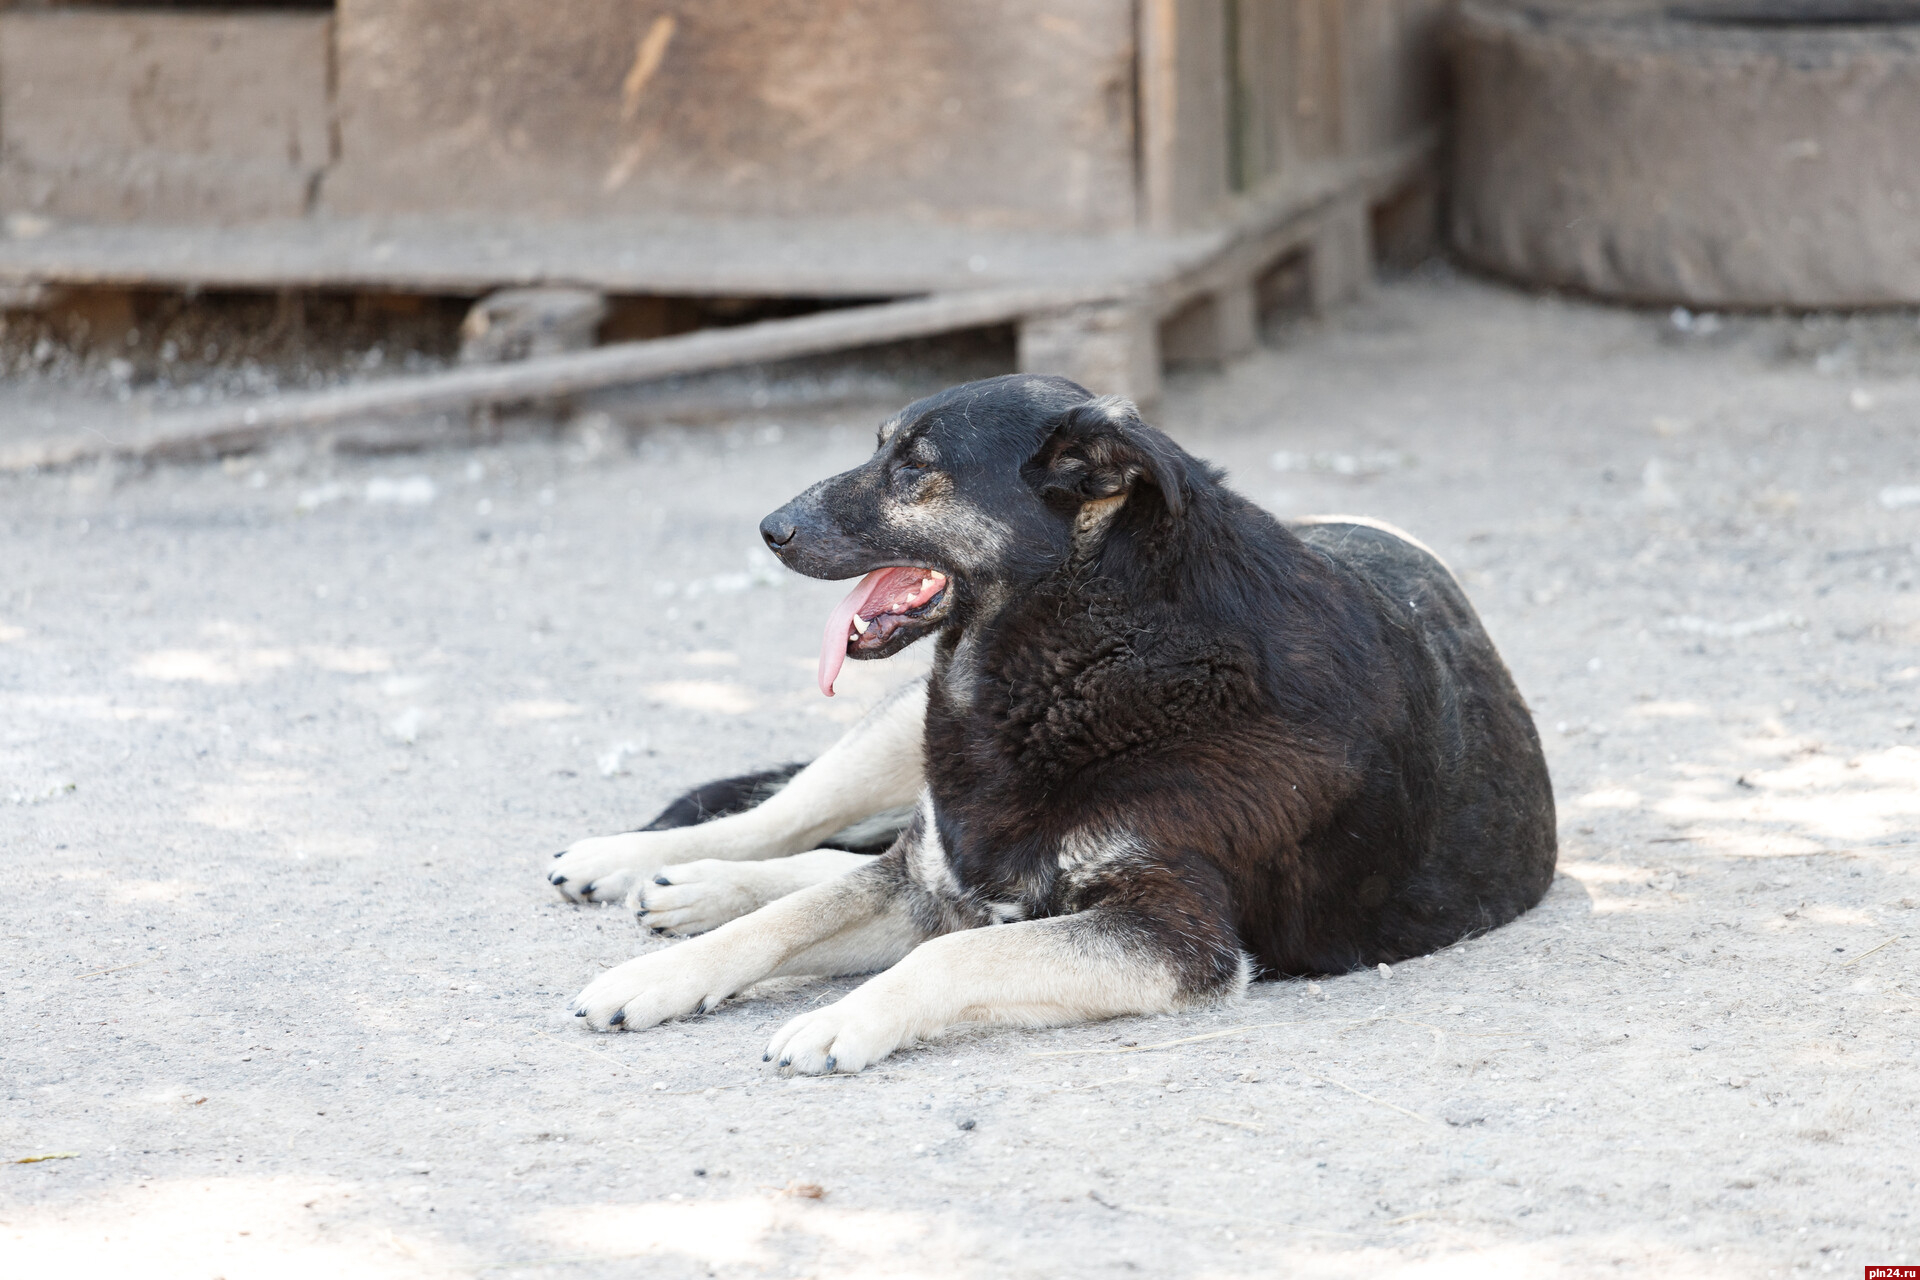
pixel 726 796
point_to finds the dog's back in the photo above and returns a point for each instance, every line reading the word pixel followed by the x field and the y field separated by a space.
pixel 1491 851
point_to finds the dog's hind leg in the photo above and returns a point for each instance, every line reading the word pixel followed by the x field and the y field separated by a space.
pixel 877 766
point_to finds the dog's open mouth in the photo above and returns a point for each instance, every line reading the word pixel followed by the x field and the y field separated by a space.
pixel 888 609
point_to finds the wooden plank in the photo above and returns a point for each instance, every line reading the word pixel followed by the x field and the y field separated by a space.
pixel 1265 80
pixel 828 258
pixel 1313 125
pixel 966 111
pixel 116 116
pixel 1159 112
pixel 1109 348
pixel 1285 216
pixel 244 425
pixel 1184 92
pixel 1290 214
pixel 752 257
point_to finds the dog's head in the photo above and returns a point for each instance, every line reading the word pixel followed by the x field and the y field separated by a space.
pixel 971 494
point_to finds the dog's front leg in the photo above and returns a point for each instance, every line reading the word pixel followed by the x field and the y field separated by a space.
pixel 695 897
pixel 861 921
pixel 878 765
pixel 1100 963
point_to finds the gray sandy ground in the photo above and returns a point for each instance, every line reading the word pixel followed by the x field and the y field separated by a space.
pixel 285 742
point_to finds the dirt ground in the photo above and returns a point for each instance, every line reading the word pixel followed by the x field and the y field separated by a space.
pixel 286 742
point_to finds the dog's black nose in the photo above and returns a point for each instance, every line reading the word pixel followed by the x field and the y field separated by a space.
pixel 777 530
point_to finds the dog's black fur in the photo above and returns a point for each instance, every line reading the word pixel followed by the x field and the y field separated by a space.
pixel 1301 737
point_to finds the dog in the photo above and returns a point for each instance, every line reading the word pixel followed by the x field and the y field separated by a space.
pixel 1167 744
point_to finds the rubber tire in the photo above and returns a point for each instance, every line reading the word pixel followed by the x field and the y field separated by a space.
pixel 1635 154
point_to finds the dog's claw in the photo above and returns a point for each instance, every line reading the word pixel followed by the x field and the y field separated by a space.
pixel 556 879
pixel 832 1062
pixel 619 1016
pixel 561 854
pixel 661 880
pixel 579 1013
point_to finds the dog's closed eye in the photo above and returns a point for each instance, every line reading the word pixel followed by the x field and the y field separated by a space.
pixel 910 477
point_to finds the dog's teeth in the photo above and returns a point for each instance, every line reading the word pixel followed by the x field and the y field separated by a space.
pixel 860 625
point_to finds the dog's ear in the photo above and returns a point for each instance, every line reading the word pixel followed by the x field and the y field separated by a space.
pixel 1101 449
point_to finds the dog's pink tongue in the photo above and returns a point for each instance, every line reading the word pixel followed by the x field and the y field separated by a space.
pixel 833 645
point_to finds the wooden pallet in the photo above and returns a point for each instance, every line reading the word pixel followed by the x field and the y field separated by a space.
pixel 1106 310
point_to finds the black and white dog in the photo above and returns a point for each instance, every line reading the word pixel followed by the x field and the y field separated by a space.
pixel 1168 744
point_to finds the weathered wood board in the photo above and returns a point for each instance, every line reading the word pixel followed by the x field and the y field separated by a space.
pixel 113 116
pixel 991 112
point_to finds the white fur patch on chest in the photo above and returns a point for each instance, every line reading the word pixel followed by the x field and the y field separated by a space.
pixel 927 859
pixel 1088 858
pixel 1086 850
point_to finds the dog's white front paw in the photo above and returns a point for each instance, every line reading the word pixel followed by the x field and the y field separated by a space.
pixel 652 989
pixel 694 897
pixel 606 868
pixel 848 1035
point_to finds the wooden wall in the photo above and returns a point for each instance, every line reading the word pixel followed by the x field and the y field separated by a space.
pixel 183 116
pixel 1005 112
pixel 1240 95
pixel 1068 115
